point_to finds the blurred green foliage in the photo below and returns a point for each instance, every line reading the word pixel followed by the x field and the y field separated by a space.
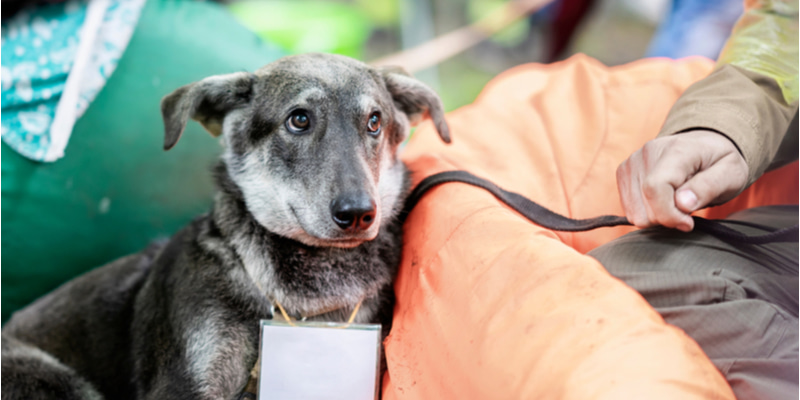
pixel 308 25
pixel 382 13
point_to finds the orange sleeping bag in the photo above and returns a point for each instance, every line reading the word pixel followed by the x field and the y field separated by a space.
pixel 491 306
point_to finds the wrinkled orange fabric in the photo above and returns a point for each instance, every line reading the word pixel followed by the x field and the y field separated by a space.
pixel 491 306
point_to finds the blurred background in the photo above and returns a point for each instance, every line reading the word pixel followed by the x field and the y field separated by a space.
pixel 84 176
pixel 514 32
pixel 612 31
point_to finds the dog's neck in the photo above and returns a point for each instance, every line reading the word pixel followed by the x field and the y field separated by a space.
pixel 304 279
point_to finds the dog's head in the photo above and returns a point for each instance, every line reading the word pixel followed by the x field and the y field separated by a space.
pixel 311 141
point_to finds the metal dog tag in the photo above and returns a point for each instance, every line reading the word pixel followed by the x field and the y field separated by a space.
pixel 319 360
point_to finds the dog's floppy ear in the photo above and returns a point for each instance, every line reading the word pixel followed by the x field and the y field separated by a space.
pixel 415 99
pixel 206 101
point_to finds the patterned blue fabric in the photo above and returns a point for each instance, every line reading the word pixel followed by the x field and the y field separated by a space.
pixel 38 51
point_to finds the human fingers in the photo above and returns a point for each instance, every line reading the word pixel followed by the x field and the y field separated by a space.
pixel 666 164
pixel 628 174
pixel 714 184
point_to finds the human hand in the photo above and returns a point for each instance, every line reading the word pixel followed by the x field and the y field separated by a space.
pixel 670 177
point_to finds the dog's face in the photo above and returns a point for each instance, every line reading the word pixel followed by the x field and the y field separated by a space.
pixel 311 141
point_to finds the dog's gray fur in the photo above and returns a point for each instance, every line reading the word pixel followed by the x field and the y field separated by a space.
pixel 180 319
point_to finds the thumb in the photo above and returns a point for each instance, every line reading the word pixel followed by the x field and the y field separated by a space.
pixel 718 183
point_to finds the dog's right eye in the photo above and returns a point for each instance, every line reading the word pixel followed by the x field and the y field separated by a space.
pixel 298 121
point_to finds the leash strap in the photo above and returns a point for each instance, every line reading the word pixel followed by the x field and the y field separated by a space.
pixel 550 220
pixel 350 320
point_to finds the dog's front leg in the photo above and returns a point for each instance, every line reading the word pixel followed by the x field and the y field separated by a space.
pixel 212 361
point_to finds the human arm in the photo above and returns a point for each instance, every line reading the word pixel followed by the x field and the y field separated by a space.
pixel 725 130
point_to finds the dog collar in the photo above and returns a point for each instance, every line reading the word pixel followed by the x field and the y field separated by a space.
pixel 303 317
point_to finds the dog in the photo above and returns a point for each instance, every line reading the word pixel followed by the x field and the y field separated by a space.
pixel 305 217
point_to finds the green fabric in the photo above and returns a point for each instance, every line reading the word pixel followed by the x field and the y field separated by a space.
pixel 116 189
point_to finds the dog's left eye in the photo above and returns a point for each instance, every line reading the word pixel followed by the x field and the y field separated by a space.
pixel 374 124
pixel 298 122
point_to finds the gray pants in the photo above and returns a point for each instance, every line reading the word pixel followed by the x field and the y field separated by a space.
pixel 739 302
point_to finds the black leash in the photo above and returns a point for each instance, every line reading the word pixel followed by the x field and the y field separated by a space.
pixel 550 220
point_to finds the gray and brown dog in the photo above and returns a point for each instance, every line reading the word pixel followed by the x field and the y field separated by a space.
pixel 310 187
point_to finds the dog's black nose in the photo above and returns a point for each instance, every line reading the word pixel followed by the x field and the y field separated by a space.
pixel 354 211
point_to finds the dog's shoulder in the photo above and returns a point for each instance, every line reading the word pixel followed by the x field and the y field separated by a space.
pixel 197 311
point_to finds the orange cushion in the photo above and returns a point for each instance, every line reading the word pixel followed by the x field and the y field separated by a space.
pixel 491 306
